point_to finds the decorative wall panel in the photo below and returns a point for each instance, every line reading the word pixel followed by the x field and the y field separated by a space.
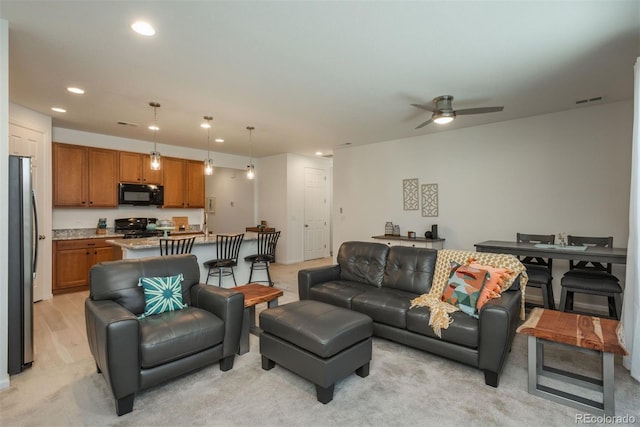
pixel 410 198
pixel 429 199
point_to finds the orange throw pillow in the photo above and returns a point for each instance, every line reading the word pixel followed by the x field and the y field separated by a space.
pixel 495 281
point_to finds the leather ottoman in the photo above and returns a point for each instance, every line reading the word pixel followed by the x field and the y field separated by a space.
pixel 320 342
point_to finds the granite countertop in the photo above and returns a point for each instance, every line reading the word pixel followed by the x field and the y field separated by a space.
pixel 90 233
pixel 152 242
pixel 84 233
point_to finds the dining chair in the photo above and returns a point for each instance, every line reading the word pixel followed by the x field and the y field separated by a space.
pixel 539 269
pixel 591 278
pixel 172 246
pixel 227 250
pixel 266 254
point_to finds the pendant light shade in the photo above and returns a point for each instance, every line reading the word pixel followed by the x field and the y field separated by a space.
pixel 251 172
pixel 155 154
pixel 208 162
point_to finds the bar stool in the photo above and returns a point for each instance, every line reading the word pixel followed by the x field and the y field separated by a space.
pixel 227 250
pixel 176 246
pixel 267 242
pixel 539 269
pixel 591 278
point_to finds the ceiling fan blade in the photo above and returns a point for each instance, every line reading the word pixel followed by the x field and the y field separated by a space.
pixel 479 110
pixel 424 124
pixel 424 107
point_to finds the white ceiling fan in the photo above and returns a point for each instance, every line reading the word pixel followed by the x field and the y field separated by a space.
pixel 443 111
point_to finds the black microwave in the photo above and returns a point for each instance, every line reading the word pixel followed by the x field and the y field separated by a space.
pixel 141 195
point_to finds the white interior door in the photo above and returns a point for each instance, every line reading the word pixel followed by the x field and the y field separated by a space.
pixel 26 142
pixel 316 213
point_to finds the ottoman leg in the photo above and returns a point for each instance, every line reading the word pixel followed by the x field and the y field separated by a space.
pixel 267 364
pixel 363 371
pixel 325 395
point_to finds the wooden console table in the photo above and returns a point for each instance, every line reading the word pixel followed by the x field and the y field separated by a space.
pixel 416 242
pixel 579 332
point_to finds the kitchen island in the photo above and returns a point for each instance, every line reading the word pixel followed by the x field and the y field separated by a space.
pixel 204 248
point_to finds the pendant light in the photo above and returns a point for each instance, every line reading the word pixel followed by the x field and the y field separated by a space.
pixel 251 173
pixel 208 162
pixel 155 154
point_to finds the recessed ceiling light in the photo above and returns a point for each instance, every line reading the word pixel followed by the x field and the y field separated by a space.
pixel 76 90
pixel 219 140
pixel 205 125
pixel 154 127
pixel 59 109
pixel 143 28
pixel 318 153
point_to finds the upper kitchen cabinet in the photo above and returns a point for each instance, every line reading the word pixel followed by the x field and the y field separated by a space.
pixel 183 183
pixel 84 176
pixel 136 168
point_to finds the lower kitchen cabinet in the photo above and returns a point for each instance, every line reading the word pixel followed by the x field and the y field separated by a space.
pixel 72 260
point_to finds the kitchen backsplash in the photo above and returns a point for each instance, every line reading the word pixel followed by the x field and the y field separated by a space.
pixel 88 218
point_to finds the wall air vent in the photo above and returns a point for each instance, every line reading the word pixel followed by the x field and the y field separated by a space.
pixel 123 123
pixel 589 100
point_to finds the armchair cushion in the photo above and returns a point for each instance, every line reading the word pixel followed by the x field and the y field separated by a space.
pixel 174 335
pixel 162 294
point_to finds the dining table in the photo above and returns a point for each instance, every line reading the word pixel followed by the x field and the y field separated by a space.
pixel 582 253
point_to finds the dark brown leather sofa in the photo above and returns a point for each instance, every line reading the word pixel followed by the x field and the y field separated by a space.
pixel 379 281
pixel 133 354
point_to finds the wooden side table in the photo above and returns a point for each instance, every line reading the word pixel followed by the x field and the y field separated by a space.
pixel 582 333
pixel 254 293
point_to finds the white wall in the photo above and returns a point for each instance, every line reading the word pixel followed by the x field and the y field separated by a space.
pixel 565 172
pixel 4 196
pixel 271 182
pixel 88 218
pixel 234 193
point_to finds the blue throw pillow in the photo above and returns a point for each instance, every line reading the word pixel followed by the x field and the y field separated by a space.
pixel 162 294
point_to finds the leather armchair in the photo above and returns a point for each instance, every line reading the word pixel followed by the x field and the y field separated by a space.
pixel 134 354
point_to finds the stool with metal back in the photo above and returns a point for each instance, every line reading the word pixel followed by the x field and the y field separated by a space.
pixel 173 246
pixel 267 242
pixel 227 250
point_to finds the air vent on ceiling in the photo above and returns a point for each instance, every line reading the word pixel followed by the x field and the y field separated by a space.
pixel 589 100
pixel 123 123
pixel 328 156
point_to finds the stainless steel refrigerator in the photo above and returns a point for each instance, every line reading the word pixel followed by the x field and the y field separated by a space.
pixel 23 253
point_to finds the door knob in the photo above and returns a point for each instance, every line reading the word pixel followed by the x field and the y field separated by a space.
pixel 41 237
pixel 306 225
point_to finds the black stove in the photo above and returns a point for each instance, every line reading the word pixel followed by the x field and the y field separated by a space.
pixel 136 228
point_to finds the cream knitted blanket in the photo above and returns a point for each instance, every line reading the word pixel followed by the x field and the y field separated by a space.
pixel 439 318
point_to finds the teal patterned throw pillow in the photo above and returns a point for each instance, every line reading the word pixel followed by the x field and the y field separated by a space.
pixel 162 294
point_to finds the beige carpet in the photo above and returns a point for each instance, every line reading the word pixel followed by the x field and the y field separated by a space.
pixel 405 387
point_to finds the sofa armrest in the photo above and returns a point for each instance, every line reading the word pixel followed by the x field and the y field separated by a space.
pixel 113 334
pixel 309 277
pixel 499 319
pixel 228 305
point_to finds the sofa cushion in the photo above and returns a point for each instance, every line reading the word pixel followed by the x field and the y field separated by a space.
pixel 410 269
pixel 162 294
pixel 176 334
pixel 339 292
pixel 362 262
pixel 462 331
pixel 384 305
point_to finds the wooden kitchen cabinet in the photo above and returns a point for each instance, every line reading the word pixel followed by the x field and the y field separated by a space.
pixel 72 260
pixel 183 183
pixel 135 168
pixel 84 176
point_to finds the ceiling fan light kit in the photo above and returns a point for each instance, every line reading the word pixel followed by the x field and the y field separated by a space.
pixel 443 112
